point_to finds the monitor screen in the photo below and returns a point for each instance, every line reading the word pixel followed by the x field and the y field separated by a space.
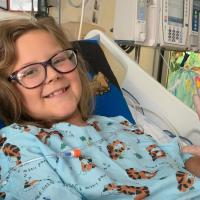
pixel 195 15
pixel 175 12
pixel 141 11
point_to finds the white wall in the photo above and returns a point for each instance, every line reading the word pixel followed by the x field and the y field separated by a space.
pixel 70 18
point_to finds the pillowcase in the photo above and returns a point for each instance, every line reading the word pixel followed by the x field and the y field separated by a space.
pixel 110 101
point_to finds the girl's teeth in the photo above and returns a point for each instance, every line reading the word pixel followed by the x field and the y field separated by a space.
pixel 57 93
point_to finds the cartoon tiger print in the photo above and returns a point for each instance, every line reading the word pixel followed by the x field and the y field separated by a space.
pixel 2 195
pixel 125 123
pixel 137 131
pixel 184 182
pixel 44 135
pixel 139 192
pixel 2 141
pixel 132 173
pixel 12 151
pixel 155 154
pixel 23 127
pixel 115 149
pixel 86 163
pixel 95 125
pixel 30 183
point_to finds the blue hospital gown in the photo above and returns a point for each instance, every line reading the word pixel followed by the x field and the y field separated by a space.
pixel 118 161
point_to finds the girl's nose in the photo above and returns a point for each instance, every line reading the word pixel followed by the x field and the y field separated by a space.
pixel 52 75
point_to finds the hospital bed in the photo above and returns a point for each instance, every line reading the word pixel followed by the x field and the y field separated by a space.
pixel 144 93
pixel 145 96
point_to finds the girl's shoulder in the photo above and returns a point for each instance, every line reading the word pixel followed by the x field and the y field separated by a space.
pixel 16 129
pixel 115 122
pixel 14 139
pixel 115 119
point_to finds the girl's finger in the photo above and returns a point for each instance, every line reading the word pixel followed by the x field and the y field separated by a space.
pixel 193 149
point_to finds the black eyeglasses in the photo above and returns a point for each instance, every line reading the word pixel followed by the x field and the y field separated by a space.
pixel 33 75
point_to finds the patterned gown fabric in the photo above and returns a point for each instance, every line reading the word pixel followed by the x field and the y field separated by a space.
pixel 118 161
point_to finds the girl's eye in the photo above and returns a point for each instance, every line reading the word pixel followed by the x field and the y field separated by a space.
pixel 30 72
pixel 59 60
pixel 27 73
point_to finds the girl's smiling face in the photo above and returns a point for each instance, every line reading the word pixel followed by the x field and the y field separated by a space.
pixel 58 97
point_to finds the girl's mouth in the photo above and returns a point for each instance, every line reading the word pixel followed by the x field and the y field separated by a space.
pixel 57 92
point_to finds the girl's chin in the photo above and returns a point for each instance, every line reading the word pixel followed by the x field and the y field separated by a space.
pixel 67 116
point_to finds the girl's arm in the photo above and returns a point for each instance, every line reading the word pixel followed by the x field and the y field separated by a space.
pixel 192 149
pixel 193 165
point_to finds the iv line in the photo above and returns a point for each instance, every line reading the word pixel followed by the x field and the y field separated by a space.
pixel 73 153
pixel 135 106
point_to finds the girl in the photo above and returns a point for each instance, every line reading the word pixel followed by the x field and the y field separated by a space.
pixel 53 148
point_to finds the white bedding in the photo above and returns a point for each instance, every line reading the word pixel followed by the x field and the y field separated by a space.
pixel 151 94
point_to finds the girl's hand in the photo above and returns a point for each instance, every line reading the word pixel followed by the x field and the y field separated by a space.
pixel 192 149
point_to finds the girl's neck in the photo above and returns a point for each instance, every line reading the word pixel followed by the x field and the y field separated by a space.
pixel 76 119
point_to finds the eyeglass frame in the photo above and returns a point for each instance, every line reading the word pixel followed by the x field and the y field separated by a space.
pixel 45 64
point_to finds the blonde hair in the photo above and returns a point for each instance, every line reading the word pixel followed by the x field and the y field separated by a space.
pixel 11 105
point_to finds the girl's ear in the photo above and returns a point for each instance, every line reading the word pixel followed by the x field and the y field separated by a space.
pixel 196 100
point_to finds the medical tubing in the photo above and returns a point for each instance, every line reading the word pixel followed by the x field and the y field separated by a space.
pixel 163 119
pixel 76 153
pixel 81 20
pixel 164 61
pixel 135 107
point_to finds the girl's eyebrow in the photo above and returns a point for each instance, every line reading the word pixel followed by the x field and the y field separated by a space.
pixel 36 61
pixel 29 63
pixel 25 64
